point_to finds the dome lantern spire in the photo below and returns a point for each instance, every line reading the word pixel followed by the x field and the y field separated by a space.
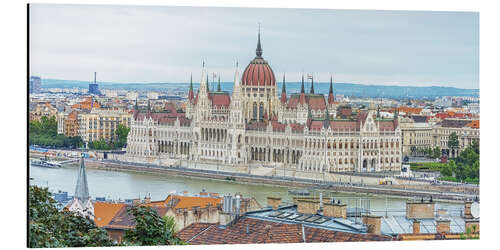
pixel 258 51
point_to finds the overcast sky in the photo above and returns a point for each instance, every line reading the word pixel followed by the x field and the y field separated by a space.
pixel 167 44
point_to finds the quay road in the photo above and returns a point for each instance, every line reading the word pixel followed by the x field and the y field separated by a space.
pixel 282 181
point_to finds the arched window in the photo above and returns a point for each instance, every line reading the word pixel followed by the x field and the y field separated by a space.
pixel 255 111
pixel 261 111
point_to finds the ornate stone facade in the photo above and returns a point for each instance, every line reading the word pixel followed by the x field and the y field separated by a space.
pixel 253 126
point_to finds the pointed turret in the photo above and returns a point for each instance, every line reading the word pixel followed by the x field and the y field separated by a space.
pixel 208 89
pixel 203 91
pixel 258 51
pixel 312 85
pixel 331 97
pixel 395 113
pixel 191 92
pixel 378 111
pixel 218 85
pixel 82 189
pixel 302 87
pixel 283 91
pixel 302 98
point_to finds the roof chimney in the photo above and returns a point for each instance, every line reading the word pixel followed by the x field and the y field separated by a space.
pixel 273 202
pixel 373 223
pixel 307 206
pixel 443 225
pixel 416 227
pixel 420 209
pixel 467 210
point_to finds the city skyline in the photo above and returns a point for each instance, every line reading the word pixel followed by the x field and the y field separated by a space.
pixel 126 44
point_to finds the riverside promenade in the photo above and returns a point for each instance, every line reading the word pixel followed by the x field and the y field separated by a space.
pixel 438 192
pixel 358 183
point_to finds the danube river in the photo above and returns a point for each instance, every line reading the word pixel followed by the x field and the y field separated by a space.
pixel 129 185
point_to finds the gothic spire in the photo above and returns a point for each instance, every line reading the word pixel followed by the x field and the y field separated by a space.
pixel 258 51
pixel 218 85
pixel 208 90
pixel 331 85
pixel 82 188
pixel 302 87
pixel 191 83
pixel 331 98
pixel 191 93
pixel 136 105
pixel 312 84
pixel 283 91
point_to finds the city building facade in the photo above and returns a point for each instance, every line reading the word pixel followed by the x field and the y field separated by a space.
pixel 35 84
pixel 258 125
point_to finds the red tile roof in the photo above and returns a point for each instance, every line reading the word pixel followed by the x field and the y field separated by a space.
pixel 187 202
pixel 262 231
pixel 315 125
pixel 316 102
pixel 220 99
pixel 105 211
pixel 344 126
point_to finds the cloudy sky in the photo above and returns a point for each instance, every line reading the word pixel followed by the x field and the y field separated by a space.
pixel 167 44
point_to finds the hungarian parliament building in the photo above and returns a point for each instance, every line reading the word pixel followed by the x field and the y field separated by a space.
pixel 258 125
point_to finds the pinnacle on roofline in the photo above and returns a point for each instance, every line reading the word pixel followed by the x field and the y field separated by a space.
pixel 258 51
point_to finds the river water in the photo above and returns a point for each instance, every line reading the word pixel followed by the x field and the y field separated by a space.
pixel 129 185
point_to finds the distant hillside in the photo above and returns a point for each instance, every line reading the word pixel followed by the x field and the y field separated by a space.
pixel 347 89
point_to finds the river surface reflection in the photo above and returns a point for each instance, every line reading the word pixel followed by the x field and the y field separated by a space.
pixel 128 185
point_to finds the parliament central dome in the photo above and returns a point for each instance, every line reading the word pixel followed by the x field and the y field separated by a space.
pixel 258 72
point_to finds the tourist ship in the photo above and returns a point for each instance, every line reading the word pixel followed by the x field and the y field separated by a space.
pixel 43 162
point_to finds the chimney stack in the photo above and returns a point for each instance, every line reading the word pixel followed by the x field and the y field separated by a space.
pixel 307 206
pixel 420 209
pixel 416 227
pixel 336 210
pixel 467 210
pixel 273 202
pixel 373 223
pixel 443 225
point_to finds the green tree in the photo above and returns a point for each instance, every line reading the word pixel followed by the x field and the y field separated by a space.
pixel 453 141
pixel 122 133
pixel 448 169
pixel 49 227
pixel 436 152
pixel 150 229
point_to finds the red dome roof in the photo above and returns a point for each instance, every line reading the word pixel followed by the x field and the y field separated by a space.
pixel 258 72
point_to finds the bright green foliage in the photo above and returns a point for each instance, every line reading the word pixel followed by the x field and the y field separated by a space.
pixel 448 169
pixel 466 166
pixel 44 132
pixel 150 229
pixel 453 141
pixel 100 145
pixel 122 133
pixel 49 227
pixel 436 152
